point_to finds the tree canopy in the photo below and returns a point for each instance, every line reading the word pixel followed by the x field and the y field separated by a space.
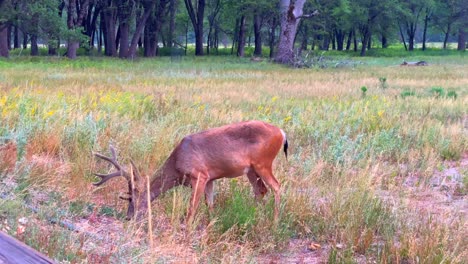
pixel 124 28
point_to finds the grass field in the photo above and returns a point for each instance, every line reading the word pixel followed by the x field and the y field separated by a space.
pixel 377 168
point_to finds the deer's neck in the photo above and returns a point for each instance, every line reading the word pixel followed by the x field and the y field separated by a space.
pixel 165 178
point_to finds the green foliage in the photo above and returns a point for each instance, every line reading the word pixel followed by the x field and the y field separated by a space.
pixel 438 92
pixel 383 82
pixel 363 91
pixel 407 93
pixel 238 210
pixel 452 95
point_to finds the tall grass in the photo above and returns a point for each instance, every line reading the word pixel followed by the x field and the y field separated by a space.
pixel 345 150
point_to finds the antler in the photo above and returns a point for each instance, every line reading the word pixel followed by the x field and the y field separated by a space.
pixel 113 160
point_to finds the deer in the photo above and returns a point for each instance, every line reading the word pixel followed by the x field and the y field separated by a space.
pixel 244 148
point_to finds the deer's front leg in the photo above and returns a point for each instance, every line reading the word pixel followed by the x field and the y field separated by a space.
pixel 198 182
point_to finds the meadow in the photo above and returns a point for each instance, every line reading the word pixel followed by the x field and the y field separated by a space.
pixel 377 170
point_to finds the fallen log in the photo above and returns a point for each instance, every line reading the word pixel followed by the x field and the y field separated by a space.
pixel 414 63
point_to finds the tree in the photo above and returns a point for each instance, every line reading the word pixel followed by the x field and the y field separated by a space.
pixel 291 13
pixel 5 12
pixel 76 11
pixel 411 12
pixel 196 15
pixel 448 16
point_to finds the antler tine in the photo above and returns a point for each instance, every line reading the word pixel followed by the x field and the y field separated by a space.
pixel 136 172
pixel 106 177
pixel 113 160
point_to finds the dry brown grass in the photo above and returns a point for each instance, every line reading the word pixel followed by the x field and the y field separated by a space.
pixel 346 184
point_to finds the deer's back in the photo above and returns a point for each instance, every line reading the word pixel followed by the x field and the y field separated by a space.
pixel 229 149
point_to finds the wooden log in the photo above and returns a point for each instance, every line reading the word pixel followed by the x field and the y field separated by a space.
pixel 414 63
pixel 14 251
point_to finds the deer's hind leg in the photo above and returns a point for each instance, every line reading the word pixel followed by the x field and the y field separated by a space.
pixel 266 174
pixel 258 185
pixel 209 196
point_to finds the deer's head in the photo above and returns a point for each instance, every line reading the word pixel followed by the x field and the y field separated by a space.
pixel 136 184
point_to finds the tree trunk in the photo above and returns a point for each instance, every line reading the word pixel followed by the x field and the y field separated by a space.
pixel 365 40
pixel 447 34
pixel 25 40
pixel 16 44
pixel 80 12
pixel 150 37
pixel 3 41
pixel 172 19
pixel 235 35
pixel 271 42
pixel 196 16
pixel 9 31
pixel 241 46
pixel 426 20
pixel 333 37
pixel 461 39
pixel 355 44
pixel 34 47
pixel 304 39
pixel 258 35
pixel 402 37
pixel 340 36
pixel 348 42
pixel 138 30
pixel 384 41
pixel 124 33
pixel 290 16
pixel 325 42
pixel 52 49
pixel 369 42
pixel 72 48
pixel 109 32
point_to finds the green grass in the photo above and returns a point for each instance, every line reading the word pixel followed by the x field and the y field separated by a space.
pixel 346 149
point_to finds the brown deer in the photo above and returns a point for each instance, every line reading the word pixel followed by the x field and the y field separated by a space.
pixel 223 152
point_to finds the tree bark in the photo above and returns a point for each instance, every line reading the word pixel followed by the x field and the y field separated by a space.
pixel 34 47
pixel 124 33
pixel 16 44
pixel 4 52
pixel 235 35
pixel 172 19
pixel 241 46
pixel 290 15
pixel 258 35
pixel 447 34
pixel 340 36
pixel 384 41
pixel 271 42
pixel 109 15
pixel 426 20
pixel 355 46
pixel 365 39
pixel 348 42
pixel 196 16
pixel 25 40
pixel 138 30
pixel 73 22
pixel 461 39
pixel 52 49
pixel 9 30
pixel 402 37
